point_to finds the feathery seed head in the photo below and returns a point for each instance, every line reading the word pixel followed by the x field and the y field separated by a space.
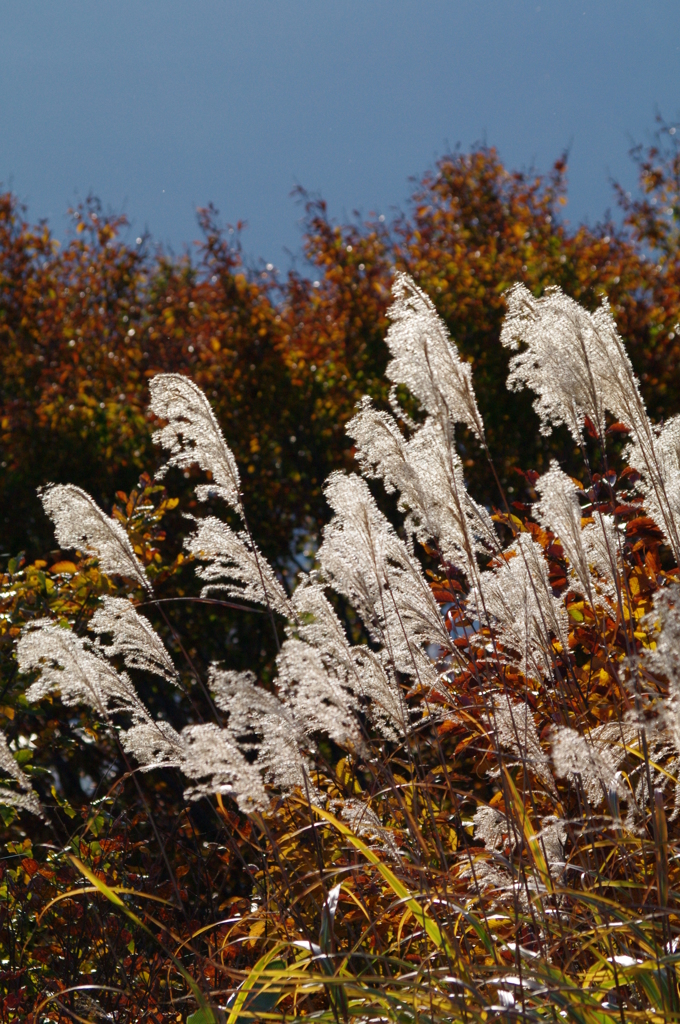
pixel 595 546
pixel 575 361
pixel 517 599
pixel 365 560
pixel 73 668
pixel 235 565
pixel 25 798
pixel 192 435
pixel 133 637
pixel 80 523
pixel 592 759
pixel 426 360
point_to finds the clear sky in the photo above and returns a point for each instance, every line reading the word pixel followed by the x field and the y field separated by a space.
pixel 159 106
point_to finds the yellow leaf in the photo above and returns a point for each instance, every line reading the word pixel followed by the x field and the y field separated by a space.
pixel 398 888
pixel 64 567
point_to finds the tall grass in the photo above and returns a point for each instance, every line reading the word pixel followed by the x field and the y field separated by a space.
pixel 458 797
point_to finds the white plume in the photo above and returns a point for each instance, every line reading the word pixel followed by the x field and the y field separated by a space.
pixel 78 671
pixel 211 757
pixel 592 759
pixel 595 546
pixel 193 435
pixel 516 730
pixel 491 826
pixel 154 743
pixel 364 822
pixel 133 637
pixel 659 466
pixel 358 668
pixel 578 366
pixel 316 694
pixel 25 798
pixel 365 561
pixel 517 595
pixel 73 668
pixel 264 725
pixel 426 360
pixel 235 565
pixel 80 523
pixel 427 472
pixel 563 356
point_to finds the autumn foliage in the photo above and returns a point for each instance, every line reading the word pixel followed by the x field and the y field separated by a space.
pixel 283 361
pixel 84 325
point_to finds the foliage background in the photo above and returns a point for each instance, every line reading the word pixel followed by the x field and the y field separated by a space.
pixel 84 325
pixel 82 328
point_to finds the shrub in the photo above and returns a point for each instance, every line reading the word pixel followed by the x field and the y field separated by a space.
pixel 457 796
pixel 283 359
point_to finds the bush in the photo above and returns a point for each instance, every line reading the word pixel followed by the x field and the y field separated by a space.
pixel 455 798
pixel 85 325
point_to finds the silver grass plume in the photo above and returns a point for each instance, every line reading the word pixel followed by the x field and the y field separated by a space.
pixel 558 361
pixel 660 476
pixel 553 836
pixel 428 473
pixel 595 547
pixel 192 435
pixel 363 559
pixel 567 349
pixel 359 669
pixel 578 366
pixel 426 360
pixel 593 760
pixel 382 453
pixel 80 523
pixel 664 660
pixel 133 637
pixel 491 826
pixel 260 723
pixel 25 798
pixel 76 670
pixel 316 694
pixel 516 730
pixel 518 596
pixel 79 672
pixel 154 743
pixel 364 822
pixel 213 759
pixel 235 565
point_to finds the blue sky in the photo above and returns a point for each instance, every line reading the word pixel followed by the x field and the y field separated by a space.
pixel 159 106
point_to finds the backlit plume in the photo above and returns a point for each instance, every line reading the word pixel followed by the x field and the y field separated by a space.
pixel 133 637
pixel 516 599
pixel 24 797
pixel 575 361
pixel 193 436
pixel 364 559
pixel 234 565
pixel 427 472
pixel 426 360
pixel 593 547
pixel 80 523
